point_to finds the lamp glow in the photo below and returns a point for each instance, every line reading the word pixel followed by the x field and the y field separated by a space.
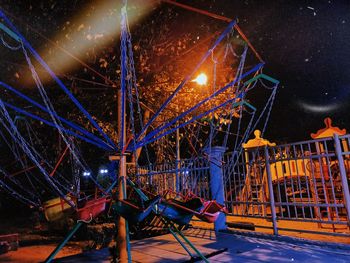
pixel 201 79
pixel 86 174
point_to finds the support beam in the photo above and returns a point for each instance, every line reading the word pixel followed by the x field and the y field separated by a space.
pixel 122 238
pixel 217 182
pixel 63 120
pixel 49 123
pixel 64 242
pixel 215 16
pixel 187 78
pixel 216 93
pixel 54 77
pixel 343 175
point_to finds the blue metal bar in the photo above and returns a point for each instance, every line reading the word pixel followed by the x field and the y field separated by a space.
pixel 180 242
pixel 173 229
pixel 58 81
pixel 62 244
pixel 182 84
pixel 123 72
pixel 102 146
pixel 9 32
pixel 185 123
pixel 168 124
pixel 263 76
pixel 36 104
pixel 110 188
pixel 71 233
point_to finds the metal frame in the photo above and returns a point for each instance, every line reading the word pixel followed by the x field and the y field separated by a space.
pixel 49 123
pixel 193 176
pixel 148 138
pixel 41 107
pixel 303 182
pixel 13 32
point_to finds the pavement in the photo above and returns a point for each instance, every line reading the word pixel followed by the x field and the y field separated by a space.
pixel 225 247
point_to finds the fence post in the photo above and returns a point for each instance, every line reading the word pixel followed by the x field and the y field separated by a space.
pixel 344 179
pixel 217 182
pixel 272 198
pixel 177 162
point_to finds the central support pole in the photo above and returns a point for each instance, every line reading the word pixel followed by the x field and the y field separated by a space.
pixel 121 237
pixel 122 240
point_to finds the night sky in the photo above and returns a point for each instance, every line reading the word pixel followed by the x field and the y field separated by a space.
pixel 305 45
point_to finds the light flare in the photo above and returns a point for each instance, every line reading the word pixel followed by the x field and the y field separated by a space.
pixel 90 31
pixel 201 79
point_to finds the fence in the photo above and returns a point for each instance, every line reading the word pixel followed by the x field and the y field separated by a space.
pixel 300 182
pixel 305 182
pixel 182 176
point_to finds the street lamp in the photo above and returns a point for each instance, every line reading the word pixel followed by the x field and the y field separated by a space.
pixel 86 174
pixel 201 79
pixel 103 171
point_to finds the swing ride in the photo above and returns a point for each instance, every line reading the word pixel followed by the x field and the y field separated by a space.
pixel 219 115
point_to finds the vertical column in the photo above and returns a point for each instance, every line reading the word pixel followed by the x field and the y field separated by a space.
pixel 217 182
pixel 272 198
pixel 123 235
pixel 177 163
pixel 344 179
pixel 121 223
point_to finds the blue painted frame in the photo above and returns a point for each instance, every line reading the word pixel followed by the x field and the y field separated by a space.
pixel 55 78
pixel 49 123
pixel 186 79
pixel 38 105
pixel 173 121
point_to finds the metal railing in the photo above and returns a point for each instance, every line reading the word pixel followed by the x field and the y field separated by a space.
pixel 304 181
pixel 183 176
pixel 301 182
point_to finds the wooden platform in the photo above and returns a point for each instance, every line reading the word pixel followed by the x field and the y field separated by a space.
pixel 239 249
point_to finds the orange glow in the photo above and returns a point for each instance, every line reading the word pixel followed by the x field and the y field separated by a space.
pixel 89 32
pixel 201 79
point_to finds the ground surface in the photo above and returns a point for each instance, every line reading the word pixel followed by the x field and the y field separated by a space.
pixel 240 248
pixel 264 226
pixel 36 245
pixel 35 254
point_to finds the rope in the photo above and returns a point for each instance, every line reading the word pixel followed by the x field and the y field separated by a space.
pixel 16 182
pixel 50 107
pixel 17 195
pixel 13 131
pixel 8 45
pixel 223 113
pixel 252 127
pixel 14 149
pixel 76 155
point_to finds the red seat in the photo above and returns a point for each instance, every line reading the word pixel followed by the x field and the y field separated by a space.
pixel 92 208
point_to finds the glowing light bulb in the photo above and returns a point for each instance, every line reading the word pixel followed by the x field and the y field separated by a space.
pixel 201 79
pixel 86 173
pixel 103 171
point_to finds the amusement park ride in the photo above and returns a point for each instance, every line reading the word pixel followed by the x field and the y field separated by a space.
pixel 128 200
